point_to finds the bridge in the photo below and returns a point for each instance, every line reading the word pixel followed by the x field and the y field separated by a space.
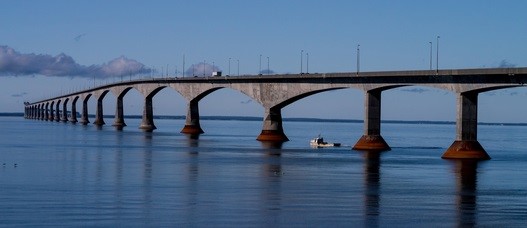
pixel 275 92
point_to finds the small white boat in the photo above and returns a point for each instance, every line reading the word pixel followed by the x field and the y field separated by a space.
pixel 318 142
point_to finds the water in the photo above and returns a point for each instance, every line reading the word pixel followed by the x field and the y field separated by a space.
pixel 74 175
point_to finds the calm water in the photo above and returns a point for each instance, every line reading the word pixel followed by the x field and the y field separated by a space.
pixel 74 175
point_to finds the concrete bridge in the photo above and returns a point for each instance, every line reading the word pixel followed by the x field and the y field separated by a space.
pixel 275 92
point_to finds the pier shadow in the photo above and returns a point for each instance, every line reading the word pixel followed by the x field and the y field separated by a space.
pixel 272 148
pixel 272 176
pixel 372 187
pixel 466 181
pixel 192 143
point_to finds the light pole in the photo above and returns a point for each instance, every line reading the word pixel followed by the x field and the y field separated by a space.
pixel 437 54
pixel 307 63
pixel 238 61
pixel 229 66
pixel 260 69
pixel 301 60
pixel 358 58
pixel 183 65
pixel 430 54
pixel 268 72
pixel 204 62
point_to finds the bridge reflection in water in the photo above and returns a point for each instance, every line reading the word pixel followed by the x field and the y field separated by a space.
pixel 274 92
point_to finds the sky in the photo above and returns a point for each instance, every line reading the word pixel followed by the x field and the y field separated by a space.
pixel 53 47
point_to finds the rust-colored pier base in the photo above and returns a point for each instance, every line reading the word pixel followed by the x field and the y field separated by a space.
pixel 371 143
pixel 192 130
pixel 466 149
pixel 272 136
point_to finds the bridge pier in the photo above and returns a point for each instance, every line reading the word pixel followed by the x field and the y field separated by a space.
pixel 192 126
pixel 119 114
pixel 466 145
pixel 38 110
pixel 46 112
pixel 372 139
pixel 51 112
pixel 272 129
pixel 84 114
pixel 57 111
pixel 99 116
pixel 65 111
pixel 73 117
pixel 147 123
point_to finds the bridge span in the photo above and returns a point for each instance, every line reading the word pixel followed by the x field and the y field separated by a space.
pixel 275 92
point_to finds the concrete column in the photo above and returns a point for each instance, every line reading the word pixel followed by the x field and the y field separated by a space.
pixel 43 112
pixel 46 112
pixel 147 124
pixel 99 119
pixel 466 144
pixel 119 114
pixel 73 117
pixel 39 112
pixel 192 125
pixel 57 111
pixel 84 114
pixel 372 139
pixel 65 111
pixel 51 112
pixel 272 129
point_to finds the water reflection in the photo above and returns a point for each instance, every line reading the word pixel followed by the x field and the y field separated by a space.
pixel 147 175
pixel 272 179
pixel 192 190
pixel 193 143
pixel 272 148
pixel 466 176
pixel 372 185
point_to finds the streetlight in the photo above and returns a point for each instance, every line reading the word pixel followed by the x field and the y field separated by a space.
pixel 238 66
pixel 358 58
pixel 229 66
pixel 307 63
pixel 301 60
pixel 437 54
pixel 268 72
pixel 260 69
pixel 430 54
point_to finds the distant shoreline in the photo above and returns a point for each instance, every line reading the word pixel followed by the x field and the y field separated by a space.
pixel 293 119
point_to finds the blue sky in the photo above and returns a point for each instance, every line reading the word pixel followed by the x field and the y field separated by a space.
pixel 393 35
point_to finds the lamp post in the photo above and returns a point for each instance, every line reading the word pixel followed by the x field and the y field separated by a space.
pixel 260 68
pixel 430 54
pixel 307 63
pixel 437 54
pixel 301 60
pixel 229 66
pixel 358 58
pixel 268 72
pixel 238 61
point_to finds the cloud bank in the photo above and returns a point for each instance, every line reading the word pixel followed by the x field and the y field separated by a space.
pixel 201 69
pixel 15 63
